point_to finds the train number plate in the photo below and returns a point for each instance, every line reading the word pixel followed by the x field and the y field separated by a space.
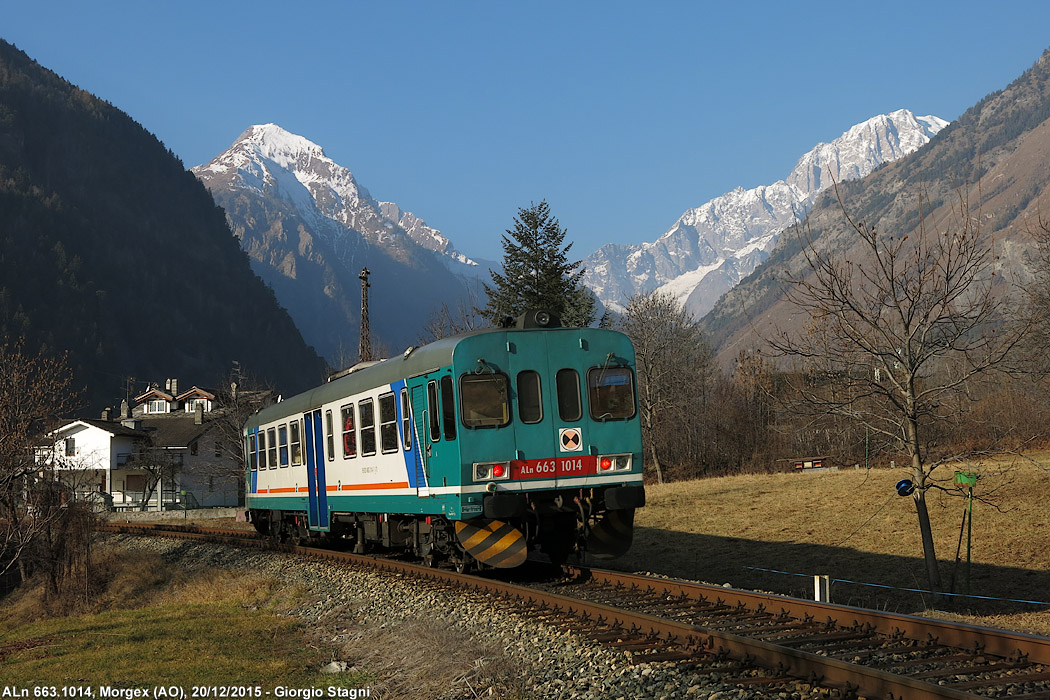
pixel 553 467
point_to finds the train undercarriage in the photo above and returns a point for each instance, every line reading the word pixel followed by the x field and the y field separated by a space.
pixel 512 526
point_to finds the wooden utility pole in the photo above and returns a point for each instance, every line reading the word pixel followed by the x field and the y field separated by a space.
pixel 364 349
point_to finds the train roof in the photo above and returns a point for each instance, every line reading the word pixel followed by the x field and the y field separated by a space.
pixel 413 362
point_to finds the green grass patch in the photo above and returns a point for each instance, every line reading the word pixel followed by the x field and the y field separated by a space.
pixel 219 643
pixel 146 622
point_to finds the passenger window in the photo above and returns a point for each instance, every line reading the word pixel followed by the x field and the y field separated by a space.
pixel 387 423
pixel 568 381
pixel 253 458
pixel 367 418
pixel 406 421
pixel 282 439
pixel 329 435
pixel 484 400
pixel 610 393
pixel 530 400
pixel 349 432
pixel 297 443
pixel 262 449
pixel 432 407
pixel 271 440
pixel 448 409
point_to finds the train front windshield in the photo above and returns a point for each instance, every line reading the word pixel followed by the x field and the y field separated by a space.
pixel 485 400
pixel 610 393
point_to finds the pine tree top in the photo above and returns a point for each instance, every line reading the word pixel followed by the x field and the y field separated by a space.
pixel 537 272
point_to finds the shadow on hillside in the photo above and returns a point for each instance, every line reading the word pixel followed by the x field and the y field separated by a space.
pixel 741 563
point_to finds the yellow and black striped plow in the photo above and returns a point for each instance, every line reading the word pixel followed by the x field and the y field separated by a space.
pixel 493 542
pixel 612 535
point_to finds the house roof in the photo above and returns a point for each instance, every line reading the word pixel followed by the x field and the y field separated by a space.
pixel 174 429
pixel 195 392
pixel 110 426
pixel 154 392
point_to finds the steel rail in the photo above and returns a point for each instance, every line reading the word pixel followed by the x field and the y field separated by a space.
pixel 854 680
pixel 994 641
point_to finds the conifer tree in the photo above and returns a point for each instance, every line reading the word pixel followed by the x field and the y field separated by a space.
pixel 537 273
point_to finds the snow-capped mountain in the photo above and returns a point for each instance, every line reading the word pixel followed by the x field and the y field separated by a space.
pixel 309 227
pixel 266 158
pixel 712 247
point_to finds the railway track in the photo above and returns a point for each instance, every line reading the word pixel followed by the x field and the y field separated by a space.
pixel 755 639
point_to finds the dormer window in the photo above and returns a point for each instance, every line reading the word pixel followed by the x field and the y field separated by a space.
pixel 192 404
pixel 158 407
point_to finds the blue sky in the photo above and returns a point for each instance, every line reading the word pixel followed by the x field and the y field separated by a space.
pixel 621 115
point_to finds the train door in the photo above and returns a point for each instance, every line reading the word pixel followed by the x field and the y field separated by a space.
pixel 535 434
pixel 317 487
pixel 420 421
pixel 570 431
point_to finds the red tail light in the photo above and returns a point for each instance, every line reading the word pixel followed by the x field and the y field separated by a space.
pixel 606 464
pixel 497 471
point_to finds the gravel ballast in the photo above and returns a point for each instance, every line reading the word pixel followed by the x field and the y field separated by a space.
pixel 416 640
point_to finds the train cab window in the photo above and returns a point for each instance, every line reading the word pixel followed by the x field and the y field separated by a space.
pixel 530 399
pixel 387 423
pixel 271 441
pixel 484 400
pixel 448 409
pixel 329 432
pixel 253 457
pixel 349 432
pixel 406 421
pixel 297 442
pixel 367 418
pixel 610 393
pixel 282 441
pixel 432 409
pixel 568 384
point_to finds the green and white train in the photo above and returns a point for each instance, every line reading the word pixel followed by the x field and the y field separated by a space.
pixel 475 449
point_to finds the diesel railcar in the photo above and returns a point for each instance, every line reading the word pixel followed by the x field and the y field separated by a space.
pixel 474 450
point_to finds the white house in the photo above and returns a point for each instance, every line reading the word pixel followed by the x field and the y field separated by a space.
pixel 165 454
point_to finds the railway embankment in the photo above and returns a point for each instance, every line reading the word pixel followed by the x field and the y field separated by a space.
pixel 414 640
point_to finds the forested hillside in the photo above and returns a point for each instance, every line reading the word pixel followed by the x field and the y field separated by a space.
pixel 111 250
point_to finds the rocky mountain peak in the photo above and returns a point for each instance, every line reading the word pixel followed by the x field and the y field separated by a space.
pixel 712 247
pixel 309 228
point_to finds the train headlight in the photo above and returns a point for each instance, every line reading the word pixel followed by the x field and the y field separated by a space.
pixel 491 471
pixel 614 463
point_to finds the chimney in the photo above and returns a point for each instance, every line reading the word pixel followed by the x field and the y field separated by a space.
pixel 198 414
pixel 173 387
pixel 133 423
pixel 233 391
pixel 106 413
pixel 125 412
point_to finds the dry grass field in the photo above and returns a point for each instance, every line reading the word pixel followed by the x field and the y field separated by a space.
pixel 852 525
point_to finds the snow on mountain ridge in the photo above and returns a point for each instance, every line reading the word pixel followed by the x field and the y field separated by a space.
pixel 267 156
pixel 711 247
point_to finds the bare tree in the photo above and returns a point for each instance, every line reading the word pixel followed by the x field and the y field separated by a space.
pixel 674 366
pixel 159 465
pixel 446 321
pixel 239 397
pixel 35 392
pixel 898 328
pixel 1038 292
